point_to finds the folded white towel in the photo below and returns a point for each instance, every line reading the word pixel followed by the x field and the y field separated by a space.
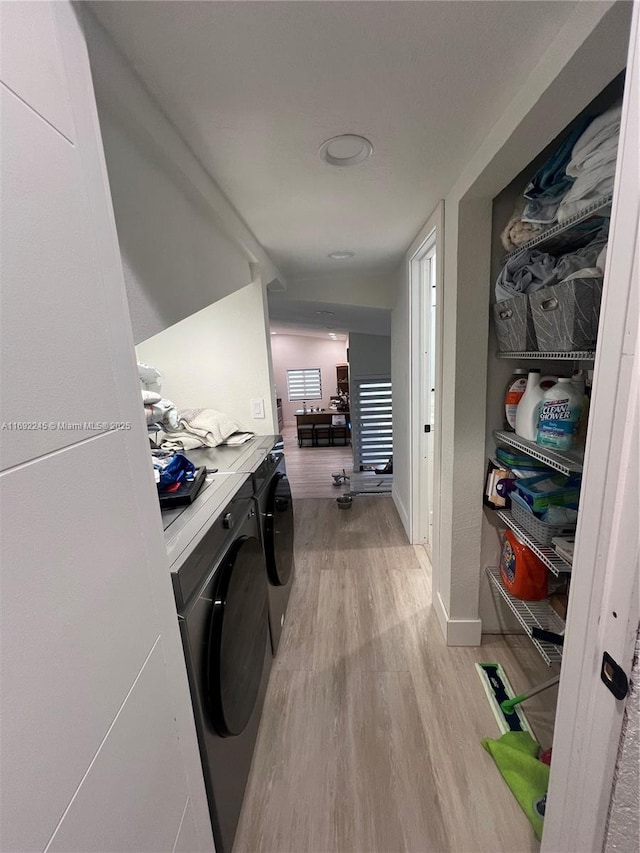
pixel 601 130
pixel 605 153
pixel 592 164
pixel 209 427
pixel 180 441
pixel 588 189
pixel 150 397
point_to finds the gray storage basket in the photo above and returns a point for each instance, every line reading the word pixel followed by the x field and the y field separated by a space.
pixel 540 530
pixel 566 315
pixel 514 325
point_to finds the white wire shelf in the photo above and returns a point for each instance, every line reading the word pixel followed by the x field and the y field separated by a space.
pixel 579 355
pixel 557 231
pixel 549 557
pixel 567 463
pixel 532 614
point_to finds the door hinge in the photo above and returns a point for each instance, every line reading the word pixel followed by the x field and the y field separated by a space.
pixel 614 677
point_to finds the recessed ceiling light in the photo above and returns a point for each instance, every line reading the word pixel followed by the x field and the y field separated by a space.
pixel 341 256
pixel 345 150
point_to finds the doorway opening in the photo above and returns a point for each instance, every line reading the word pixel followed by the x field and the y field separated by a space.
pixel 426 296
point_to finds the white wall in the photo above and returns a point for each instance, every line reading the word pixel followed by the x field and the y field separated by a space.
pixel 572 71
pixel 401 381
pixel 363 289
pixel 183 245
pixel 99 750
pixel 290 352
pixel 175 259
pixel 218 358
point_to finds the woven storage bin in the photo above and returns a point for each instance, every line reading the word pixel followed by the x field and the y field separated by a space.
pixel 566 315
pixel 514 325
pixel 540 530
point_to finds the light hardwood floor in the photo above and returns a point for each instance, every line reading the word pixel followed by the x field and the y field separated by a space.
pixel 310 468
pixel 370 736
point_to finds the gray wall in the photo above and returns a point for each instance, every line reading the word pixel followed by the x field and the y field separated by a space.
pixel 369 355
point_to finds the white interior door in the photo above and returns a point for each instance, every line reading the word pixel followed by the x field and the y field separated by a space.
pixel 428 381
pixel 425 271
pixel 604 608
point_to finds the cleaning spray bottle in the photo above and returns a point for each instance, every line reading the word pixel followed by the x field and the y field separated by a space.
pixel 527 411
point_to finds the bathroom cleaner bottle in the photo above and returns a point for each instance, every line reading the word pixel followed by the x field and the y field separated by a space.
pixel 516 387
pixel 527 411
pixel 559 415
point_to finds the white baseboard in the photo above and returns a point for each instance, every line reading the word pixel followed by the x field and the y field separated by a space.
pixel 402 512
pixel 457 632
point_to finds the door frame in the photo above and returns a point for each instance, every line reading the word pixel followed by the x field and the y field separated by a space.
pixel 604 609
pixel 431 235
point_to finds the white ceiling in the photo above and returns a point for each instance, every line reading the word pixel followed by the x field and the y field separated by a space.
pixel 255 88
pixel 323 317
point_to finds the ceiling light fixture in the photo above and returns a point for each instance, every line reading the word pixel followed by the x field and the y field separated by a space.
pixel 341 256
pixel 347 149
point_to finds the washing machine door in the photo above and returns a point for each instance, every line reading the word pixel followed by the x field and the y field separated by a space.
pixel 238 635
pixel 278 527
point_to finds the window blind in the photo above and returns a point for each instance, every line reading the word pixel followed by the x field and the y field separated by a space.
pixel 372 412
pixel 304 384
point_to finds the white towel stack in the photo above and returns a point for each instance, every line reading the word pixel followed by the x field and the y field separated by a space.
pixel 592 164
pixel 199 428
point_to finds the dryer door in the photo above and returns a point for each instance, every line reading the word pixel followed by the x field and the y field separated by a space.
pixel 238 635
pixel 278 528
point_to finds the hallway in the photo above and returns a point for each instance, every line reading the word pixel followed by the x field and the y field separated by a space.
pixel 310 468
pixel 370 736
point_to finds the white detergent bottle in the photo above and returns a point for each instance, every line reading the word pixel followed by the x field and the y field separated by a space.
pixel 559 415
pixel 527 411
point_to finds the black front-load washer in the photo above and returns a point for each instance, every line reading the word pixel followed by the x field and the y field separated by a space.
pixel 222 595
pixel 275 509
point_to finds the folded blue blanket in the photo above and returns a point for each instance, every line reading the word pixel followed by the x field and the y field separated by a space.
pixel 551 182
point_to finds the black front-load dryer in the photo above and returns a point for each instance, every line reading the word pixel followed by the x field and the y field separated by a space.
pixel 275 508
pixel 224 623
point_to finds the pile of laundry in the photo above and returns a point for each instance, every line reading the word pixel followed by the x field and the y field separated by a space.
pixel 186 429
pixel 580 172
pixel 531 269
pixel 158 411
